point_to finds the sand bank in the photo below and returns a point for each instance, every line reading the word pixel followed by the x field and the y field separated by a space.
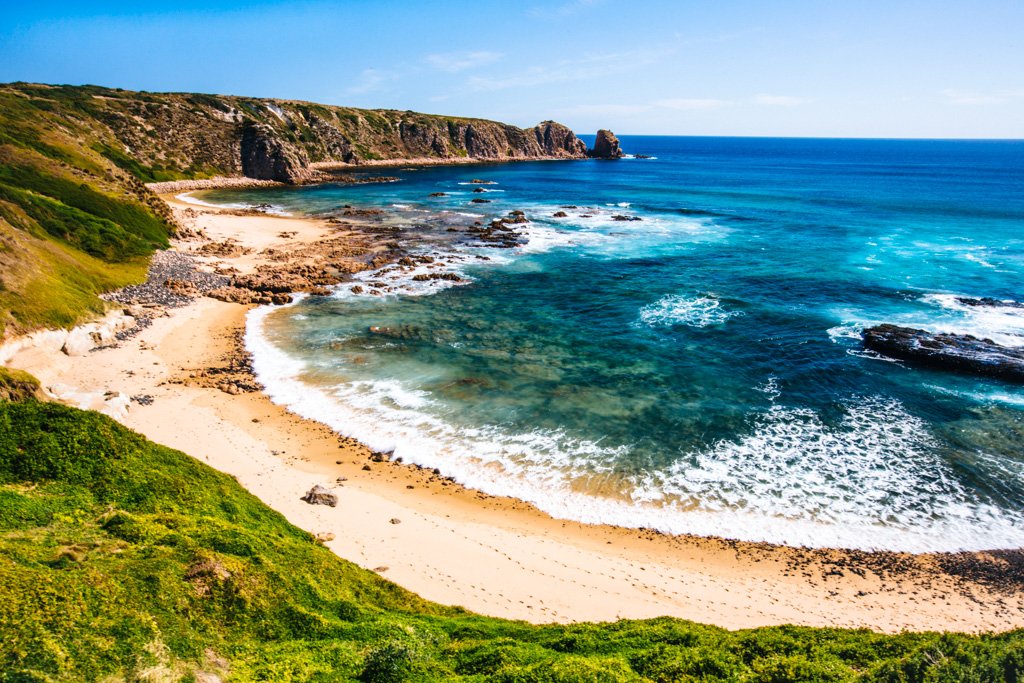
pixel 491 555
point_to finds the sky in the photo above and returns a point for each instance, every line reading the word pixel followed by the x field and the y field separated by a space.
pixel 830 68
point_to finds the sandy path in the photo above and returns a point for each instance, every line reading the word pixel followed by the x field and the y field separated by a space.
pixel 495 556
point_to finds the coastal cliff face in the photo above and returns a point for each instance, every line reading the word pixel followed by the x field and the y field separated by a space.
pixel 286 141
pixel 76 218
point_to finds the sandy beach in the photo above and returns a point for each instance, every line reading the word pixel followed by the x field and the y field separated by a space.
pixel 494 556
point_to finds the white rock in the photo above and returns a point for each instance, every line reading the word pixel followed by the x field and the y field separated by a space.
pixel 79 341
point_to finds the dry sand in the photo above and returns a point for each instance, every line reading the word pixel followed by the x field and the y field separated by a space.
pixel 494 556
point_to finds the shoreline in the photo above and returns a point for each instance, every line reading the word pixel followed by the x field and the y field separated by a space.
pixel 492 555
pixel 321 172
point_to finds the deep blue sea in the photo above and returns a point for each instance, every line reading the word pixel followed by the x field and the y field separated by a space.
pixel 699 370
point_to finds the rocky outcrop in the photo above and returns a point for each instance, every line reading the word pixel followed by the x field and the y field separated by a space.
pixel 606 146
pixel 989 302
pixel 555 140
pixel 956 352
pixel 265 157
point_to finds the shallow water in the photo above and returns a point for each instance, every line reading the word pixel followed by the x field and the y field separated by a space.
pixel 698 371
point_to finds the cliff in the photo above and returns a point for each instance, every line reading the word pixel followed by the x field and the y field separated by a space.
pixel 192 135
pixel 76 218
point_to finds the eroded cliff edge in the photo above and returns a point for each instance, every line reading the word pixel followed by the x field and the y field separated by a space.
pixel 283 140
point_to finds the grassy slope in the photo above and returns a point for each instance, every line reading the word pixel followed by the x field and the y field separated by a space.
pixel 72 224
pixel 124 560
pixel 75 218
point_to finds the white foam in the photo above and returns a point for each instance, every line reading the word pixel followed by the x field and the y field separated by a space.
pixel 189 199
pixel 1002 324
pixel 675 309
pixel 873 481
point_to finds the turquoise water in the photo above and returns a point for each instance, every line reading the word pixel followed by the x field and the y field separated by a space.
pixel 699 370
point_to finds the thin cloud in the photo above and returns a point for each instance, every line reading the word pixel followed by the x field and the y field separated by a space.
pixel 603 110
pixel 591 66
pixel 968 97
pixel 370 80
pixel 454 62
pixel 690 103
pixel 779 100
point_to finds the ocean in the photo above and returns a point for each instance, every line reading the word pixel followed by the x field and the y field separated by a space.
pixel 698 370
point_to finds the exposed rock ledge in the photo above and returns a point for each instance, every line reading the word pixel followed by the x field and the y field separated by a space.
pixel 956 352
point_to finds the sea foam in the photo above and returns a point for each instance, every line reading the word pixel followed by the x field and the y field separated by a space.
pixel 793 479
pixel 693 311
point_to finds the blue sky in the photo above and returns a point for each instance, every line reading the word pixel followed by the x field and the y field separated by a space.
pixel 691 67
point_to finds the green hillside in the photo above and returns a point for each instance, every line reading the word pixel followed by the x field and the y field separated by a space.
pixel 72 224
pixel 121 560
pixel 77 220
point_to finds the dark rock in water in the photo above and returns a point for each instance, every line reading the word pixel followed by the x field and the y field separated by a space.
pixel 560 214
pixel 956 352
pixel 318 495
pixel 480 201
pixel 641 156
pixel 988 301
pixel 479 189
pixel 626 218
pixel 606 146
pixel 478 181
pixel 437 194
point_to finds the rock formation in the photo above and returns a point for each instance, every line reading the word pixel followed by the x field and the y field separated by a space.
pixel 555 140
pixel 606 146
pixel 283 140
pixel 319 495
pixel 956 352
pixel 265 157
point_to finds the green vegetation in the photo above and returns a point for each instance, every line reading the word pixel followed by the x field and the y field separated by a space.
pixel 18 385
pixel 124 560
pixel 72 223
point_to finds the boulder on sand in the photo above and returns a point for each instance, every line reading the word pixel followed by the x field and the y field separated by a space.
pixel 319 495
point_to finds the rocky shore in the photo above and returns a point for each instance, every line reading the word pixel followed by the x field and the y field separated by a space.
pixel 453 545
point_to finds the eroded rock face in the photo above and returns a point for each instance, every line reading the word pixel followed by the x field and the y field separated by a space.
pixel 606 146
pixel 556 140
pixel 956 352
pixel 265 157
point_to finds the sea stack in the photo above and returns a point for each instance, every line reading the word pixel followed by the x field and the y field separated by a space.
pixel 606 146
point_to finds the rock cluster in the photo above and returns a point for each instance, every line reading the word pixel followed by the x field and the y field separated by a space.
pixel 499 232
pixel 956 352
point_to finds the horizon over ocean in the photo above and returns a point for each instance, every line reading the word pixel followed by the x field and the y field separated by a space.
pixel 698 370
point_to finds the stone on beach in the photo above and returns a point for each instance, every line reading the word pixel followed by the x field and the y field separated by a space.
pixel 319 495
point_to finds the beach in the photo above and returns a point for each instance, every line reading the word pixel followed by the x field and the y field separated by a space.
pixel 491 555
